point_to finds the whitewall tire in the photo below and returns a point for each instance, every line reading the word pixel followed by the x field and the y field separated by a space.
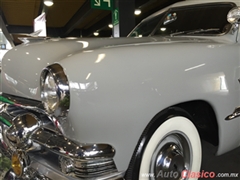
pixel 173 148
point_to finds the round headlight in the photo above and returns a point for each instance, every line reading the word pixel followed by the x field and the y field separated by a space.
pixel 55 90
pixel 50 95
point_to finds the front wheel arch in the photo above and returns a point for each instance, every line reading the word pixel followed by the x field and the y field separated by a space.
pixel 134 165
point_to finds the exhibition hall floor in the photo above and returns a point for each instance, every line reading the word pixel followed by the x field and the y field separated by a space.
pixel 223 165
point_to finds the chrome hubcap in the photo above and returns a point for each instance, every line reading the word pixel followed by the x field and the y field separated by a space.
pixel 171 157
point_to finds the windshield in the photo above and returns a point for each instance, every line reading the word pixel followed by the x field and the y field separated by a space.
pixel 210 19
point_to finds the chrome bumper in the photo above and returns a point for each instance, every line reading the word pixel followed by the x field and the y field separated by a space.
pixel 25 127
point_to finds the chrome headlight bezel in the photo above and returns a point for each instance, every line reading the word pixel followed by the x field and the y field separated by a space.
pixel 59 86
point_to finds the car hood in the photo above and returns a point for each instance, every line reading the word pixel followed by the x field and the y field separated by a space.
pixel 22 66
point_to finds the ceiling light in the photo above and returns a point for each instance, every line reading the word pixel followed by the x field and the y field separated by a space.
pixel 71 37
pixel 137 12
pixel 110 26
pixel 48 2
pixel 163 29
pixel 96 33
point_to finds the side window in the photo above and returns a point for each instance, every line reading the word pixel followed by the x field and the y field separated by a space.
pixel 146 27
pixel 206 19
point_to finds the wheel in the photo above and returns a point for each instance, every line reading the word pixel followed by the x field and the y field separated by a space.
pixel 173 149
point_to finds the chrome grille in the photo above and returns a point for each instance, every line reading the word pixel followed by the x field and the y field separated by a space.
pixel 94 168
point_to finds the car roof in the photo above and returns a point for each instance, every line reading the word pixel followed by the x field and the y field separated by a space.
pixel 192 2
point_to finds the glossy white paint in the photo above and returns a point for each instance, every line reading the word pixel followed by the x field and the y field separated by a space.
pixel 122 92
pixel 119 85
pixel 32 58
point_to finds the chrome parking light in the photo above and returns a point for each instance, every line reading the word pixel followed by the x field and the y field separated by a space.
pixel 20 161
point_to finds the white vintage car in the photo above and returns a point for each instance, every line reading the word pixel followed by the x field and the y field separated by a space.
pixel 125 108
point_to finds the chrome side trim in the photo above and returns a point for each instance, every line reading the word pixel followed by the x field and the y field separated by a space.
pixel 235 114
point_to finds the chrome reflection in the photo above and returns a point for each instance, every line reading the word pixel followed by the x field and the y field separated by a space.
pixel 66 165
pixel 233 16
pixel 70 149
pixel 21 130
pixel 55 92
pixel 173 154
pixel 11 106
pixel 82 160
pixel 32 131
pixel 49 93
pixel 235 114
pixel 20 162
